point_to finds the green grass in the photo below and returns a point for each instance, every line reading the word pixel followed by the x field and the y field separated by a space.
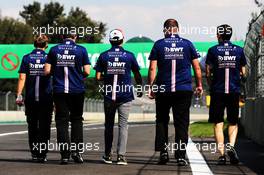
pixel 202 129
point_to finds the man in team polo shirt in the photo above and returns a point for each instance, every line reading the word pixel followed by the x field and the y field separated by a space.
pixel 114 67
pixel 225 68
pixel 38 98
pixel 69 65
pixel 173 56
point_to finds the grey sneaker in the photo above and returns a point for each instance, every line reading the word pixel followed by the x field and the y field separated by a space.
pixel 121 160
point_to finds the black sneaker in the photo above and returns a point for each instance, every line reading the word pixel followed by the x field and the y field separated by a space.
pixel 64 161
pixel 42 159
pixel 164 158
pixel 232 154
pixel 182 162
pixel 77 157
pixel 107 159
pixel 121 160
pixel 34 158
pixel 221 160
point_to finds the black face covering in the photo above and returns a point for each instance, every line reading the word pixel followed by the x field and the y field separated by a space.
pixel 116 43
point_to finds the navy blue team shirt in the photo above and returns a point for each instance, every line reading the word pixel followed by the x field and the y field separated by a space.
pixel 116 65
pixel 174 57
pixel 67 60
pixel 38 86
pixel 226 60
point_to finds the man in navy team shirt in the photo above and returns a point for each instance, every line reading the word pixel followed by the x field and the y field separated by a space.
pixel 38 99
pixel 173 56
pixel 114 67
pixel 225 68
pixel 69 65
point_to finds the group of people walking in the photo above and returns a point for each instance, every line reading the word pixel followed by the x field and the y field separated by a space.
pixel 55 82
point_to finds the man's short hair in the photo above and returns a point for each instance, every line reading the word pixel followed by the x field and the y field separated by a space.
pixel 69 35
pixel 224 31
pixel 41 41
pixel 170 23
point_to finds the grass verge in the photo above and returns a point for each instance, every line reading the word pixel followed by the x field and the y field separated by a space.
pixel 203 129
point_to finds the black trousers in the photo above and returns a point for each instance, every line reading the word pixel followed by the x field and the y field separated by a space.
pixel 39 116
pixel 180 103
pixel 69 108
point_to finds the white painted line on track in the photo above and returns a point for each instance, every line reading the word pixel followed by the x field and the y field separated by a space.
pixel 197 162
pixel 85 129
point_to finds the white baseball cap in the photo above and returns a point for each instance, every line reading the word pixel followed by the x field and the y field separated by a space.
pixel 116 35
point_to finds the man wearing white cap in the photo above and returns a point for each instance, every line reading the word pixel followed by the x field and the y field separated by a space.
pixel 114 67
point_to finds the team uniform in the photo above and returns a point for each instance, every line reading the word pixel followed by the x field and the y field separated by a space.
pixel 116 65
pixel 67 61
pixel 225 59
pixel 38 101
pixel 174 56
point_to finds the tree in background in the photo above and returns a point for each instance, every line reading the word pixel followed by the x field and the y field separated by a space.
pixel 53 15
pixel 13 31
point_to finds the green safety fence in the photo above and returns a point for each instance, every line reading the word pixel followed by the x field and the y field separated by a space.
pixel 12 54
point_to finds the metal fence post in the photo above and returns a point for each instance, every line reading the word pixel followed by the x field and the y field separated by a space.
pixel 7 100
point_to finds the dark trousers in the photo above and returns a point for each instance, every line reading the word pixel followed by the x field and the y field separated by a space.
pixel 69 108
pixel 39 116
pixel 180 103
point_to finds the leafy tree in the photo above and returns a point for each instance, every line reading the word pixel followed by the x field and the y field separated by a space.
pixel 53 15
pixel 32 13
pixel 14 32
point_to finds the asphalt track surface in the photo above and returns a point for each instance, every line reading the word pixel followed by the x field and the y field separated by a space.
pixel 142 160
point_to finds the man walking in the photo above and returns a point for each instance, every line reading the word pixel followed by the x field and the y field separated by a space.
pixel 114 67
pixel 173 56
pixel 38 99
pixel 69 65
pixel 225 68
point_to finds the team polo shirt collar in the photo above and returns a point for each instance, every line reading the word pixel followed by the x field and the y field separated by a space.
pixel 172 36
pixel 39 51
pixel 119 48
pixel 225 42
pixel 68 41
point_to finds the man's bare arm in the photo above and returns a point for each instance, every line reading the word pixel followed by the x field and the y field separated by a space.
pixel 86 70
pixel 21 83
pixel 208 74
pixel 47 69
pixel 152 72
pixel 198 72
